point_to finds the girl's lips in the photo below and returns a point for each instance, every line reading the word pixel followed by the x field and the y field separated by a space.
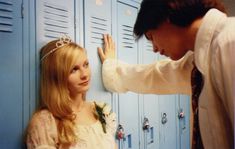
pixel 84 83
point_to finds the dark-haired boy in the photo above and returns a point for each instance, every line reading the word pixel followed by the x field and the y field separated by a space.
pixel 199 39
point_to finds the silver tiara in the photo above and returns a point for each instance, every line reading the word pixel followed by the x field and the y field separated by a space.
pixel 64 40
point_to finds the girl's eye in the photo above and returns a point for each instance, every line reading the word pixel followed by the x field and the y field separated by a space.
pixel 86 64
pixel 75 69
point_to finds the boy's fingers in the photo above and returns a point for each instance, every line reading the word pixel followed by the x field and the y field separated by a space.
pixel 101 54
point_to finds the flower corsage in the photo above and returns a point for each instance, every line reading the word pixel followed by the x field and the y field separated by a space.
pixel 106 117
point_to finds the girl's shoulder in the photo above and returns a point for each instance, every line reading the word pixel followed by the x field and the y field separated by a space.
pixel 42 130
pixel 42 118
pixel 43 114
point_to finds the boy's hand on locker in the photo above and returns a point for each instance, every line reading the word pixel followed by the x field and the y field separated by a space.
pixel 109 49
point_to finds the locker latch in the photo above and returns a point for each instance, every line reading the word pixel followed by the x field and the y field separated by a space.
pixel 164 118
pixel 146 125
pixel 181 114
pixel 120 134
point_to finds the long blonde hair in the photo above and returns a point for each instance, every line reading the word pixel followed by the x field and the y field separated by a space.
pixel 54 93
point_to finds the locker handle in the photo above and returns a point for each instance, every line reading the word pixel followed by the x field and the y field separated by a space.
pixel 164 118
pixel 146 125
pixel 129 141
pixel 120 134
pixel 151 135
pixel 181 116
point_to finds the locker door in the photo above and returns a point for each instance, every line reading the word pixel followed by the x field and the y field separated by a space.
pixel 184 121
pixel 134 3
pixel 11 60
pixel 151 136
pixel 138 1
pixel 54 18
pixel 150 107
pixel 127 51
pixel 97 18
pixel 168 119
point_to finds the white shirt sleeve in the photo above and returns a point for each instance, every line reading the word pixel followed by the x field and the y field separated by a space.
pixel 161 77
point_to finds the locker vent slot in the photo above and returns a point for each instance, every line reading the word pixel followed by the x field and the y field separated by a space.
pixel 128 40
pixel 98 28
pixel 6 16
pixel 56 20
pixel 148 46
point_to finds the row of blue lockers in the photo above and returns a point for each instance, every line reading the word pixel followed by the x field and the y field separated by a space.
pixel 25 25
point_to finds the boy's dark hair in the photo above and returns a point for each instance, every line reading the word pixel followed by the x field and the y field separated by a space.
pixel 179 12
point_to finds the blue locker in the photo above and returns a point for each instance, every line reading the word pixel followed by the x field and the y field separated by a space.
pixel 97 21
pixel 184 121
pixel 54 18
pixel 127 51
pixel 137 1
pixel 150 104
pixel 151 135
pixel 134 3
pixel 181 131
pixel 12 85
pixel 168 119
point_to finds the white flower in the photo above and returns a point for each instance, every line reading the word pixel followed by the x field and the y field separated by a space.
pixel 100 104
pixel 106 117
pixel 111 124
pixel 106 110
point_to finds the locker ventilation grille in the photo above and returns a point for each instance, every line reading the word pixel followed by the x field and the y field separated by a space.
pixel 98 28
pixel 128 40
pixel 6 16
pixel 148 46
pixel 56 20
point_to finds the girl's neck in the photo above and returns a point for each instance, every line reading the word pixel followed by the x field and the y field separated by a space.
pixel 78 102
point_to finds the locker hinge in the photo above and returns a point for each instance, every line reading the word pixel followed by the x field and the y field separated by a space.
pixel 22 10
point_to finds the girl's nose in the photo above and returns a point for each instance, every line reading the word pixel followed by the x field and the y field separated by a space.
pixel 84 74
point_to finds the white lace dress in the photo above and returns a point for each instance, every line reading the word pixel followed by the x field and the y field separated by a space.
pixel 42 133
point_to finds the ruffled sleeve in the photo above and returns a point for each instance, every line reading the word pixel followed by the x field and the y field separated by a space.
pixel 42 131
